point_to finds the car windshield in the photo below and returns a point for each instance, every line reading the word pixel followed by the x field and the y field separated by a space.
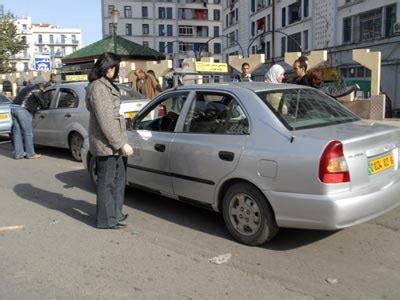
pixel 128 93
pixel 306 108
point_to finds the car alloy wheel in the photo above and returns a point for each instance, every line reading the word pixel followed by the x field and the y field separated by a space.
pixel 248 214
pixel 75 146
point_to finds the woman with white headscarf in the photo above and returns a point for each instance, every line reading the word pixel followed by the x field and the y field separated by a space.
pixel 275 75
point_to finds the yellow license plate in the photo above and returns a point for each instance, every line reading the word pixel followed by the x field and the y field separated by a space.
pixel 380 164
pixel 130 114
pixel 4 117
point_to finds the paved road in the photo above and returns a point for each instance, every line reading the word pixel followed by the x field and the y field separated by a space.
pixel 165 251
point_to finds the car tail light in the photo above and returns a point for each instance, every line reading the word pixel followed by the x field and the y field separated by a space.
pixel 161 110
pixel 332 165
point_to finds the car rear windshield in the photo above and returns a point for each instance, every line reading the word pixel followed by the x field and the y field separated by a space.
pixel 306 108
pixel 128 93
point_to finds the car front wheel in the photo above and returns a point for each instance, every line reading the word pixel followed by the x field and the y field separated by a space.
pixel 248 215
pixel 75 146
pixel 93 171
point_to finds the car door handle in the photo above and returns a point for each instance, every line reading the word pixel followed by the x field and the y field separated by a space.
pixel 226 155
pixel 159 147
pixel 67 115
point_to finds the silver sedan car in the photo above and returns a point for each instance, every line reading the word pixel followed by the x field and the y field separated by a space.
pixel 266 156
pixel 65 122
pixel 5 115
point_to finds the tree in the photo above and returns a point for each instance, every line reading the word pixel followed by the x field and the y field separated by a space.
pixel 10 44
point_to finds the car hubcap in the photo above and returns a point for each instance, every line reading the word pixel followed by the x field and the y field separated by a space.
pixel 244 214
pixel 76 145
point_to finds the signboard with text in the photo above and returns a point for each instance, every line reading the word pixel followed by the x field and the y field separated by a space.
pixel 42 62
pixel 211 67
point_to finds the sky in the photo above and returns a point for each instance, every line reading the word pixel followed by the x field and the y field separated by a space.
pixel 80 14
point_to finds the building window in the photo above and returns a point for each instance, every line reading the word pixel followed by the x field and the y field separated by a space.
pixel 145 12
pixel 253 5
pixel 305 8
pixel 169 13
pixel 371 24
pixel 145 44
pixel 216 31
pixel 294 42
pixel 161 47
pixel 294 13
pixel 145 29
pixel 184 47
pixel 24 27
pixel 62 39
pixel 347 30
pixel 269 23
pixel 110 8
pixel 51 39
pixel 260 25
pixel 110 28
pixel 169 30
pixel 283 45
pixel 305 40
pixel 161 30
pixel 52 50
pixel 390 19
pixel 170 49
pixel 128 29
pixel 217 15
pixel 283 16
pixel 185 30
pixel 268 48
pixel 128 11
pixel 161 12
pixel 40 39
pixel 253 28
pixel 74 40
pixel 217 48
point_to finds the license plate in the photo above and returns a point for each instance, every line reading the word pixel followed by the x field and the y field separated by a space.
pixel 380 164
pixel 130 114
pixel 4 117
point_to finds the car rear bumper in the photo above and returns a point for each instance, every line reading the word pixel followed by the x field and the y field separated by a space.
pixel 334 211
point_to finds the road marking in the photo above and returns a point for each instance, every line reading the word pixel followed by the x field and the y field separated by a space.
pixel 9 228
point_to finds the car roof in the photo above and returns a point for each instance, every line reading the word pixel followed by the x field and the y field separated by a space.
pixel 237 86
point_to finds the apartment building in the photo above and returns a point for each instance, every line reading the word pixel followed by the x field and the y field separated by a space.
pixel 44 40
pixel 274 27
pixel 176 28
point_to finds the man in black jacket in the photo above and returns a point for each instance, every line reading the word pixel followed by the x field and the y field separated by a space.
pixel 32 98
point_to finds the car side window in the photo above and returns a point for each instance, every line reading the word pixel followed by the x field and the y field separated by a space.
pixel 216 113
pixel 67 99
pixel 46 98
pixel 164 115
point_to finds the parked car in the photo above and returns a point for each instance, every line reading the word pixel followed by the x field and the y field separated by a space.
pixel 306 163
pixel 65 122
pixel 5 115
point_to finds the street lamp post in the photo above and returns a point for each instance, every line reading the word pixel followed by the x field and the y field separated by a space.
pixel 114 21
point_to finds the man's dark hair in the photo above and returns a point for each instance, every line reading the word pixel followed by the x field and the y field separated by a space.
pixel 245 64
pixel 302 63
pixel 105 62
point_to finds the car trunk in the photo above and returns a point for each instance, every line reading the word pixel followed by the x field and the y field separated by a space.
pixel 370 149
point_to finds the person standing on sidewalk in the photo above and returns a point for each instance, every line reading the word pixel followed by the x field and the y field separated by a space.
pixel 108 141
pixel 22 134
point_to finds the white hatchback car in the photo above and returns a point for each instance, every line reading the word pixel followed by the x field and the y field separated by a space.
pixel 65 122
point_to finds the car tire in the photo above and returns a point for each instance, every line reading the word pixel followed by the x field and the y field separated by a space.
pixel 75 145
pixel 248 215
pixel 93 171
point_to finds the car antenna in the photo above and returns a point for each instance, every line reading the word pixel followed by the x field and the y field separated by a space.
pixel 295 116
